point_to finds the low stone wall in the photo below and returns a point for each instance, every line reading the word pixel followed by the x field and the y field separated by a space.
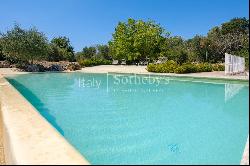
pixel 59 66
pixel 4 64
pixel 42 66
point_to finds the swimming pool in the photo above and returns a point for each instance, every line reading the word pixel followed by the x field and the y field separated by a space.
pixel 133 119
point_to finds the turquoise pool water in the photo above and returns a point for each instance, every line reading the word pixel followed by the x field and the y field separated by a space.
pixel 131 119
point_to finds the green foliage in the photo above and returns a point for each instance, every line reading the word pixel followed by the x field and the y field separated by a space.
pixel 186 68
pixel 152 68
pixel 87 53
pixel 2 57
pixel 240 25
pixel 136 40
pixel 25 46
pixel 55 54
pixel 167 67
pixel 244 51
pixel 204 67
pixel 194 68
pixel 173 48
pixel 94 53
pixel 197 48
pixel 103 52
pixel 93 62
pixel 218 67
pixel 232 37
pixel 61 49
pixel 172 67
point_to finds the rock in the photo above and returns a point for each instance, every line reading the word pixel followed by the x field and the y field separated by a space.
pixel 73 66
pixel 55 67
pixel 41 66
pixel 13 66
pixel 4 64
pixel 35 68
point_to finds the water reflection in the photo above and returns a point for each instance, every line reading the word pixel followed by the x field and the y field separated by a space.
pixel 231 90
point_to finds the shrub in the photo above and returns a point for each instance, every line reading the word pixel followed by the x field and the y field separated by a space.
pixel 151 67
pixel 94 62
pixel 179 70
pixel 167 67
pixel 172 67
pixel 204 67
pixel 218 67
pixel 187 68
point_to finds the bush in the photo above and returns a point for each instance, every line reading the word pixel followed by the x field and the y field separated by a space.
pixel 151 67
pixel 167 67
pixel 179 70
pixel 218 67
pixel 187 68
pixel 94 62
pixel 172 67
pixel 204 67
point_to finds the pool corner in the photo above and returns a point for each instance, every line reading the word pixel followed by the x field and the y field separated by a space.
pixel 26 133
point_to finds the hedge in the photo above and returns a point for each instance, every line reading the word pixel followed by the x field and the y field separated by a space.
pixel 93 62
pixel 173 67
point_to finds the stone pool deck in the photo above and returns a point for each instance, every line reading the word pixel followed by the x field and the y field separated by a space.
pixel 18 102
pixel 142 70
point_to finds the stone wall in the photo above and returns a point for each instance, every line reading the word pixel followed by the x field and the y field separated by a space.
pixel 42 66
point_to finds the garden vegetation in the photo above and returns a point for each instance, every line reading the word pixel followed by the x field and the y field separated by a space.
pixel 134 41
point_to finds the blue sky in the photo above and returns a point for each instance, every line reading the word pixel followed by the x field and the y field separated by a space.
pixel 89 22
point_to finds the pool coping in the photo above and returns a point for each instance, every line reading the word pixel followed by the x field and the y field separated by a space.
pixel 228 78
pixel 245 156
pixel 25 133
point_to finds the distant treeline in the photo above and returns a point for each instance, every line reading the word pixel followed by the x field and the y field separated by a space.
pixel 133 41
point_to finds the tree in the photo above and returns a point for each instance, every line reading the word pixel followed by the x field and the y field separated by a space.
pixel 197 48
pixel 103 52
pixel 240 25
pixel 136 40
pixel 61 49
pixel 55 54
pixel 121 44
pixel 88 52
pixel 24 45
pixel 231 37
pixel 2 57
pixel 173 48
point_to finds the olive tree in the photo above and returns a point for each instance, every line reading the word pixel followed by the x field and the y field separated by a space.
pixel 103 52
pixel 61 49
pixel 2 57
pixel 22 45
